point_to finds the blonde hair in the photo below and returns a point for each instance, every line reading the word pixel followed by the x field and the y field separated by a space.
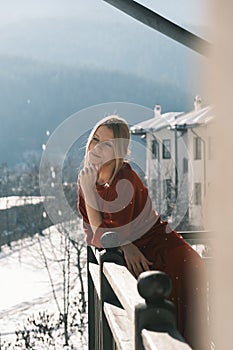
pixel 120 130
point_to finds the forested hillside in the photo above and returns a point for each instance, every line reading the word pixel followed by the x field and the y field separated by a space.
pixel 51 69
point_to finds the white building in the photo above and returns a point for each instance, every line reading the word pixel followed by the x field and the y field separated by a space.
pixel 179 153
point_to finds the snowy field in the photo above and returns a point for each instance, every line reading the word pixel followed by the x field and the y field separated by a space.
pixel 25 284
pixel 26 287
pixel 15 201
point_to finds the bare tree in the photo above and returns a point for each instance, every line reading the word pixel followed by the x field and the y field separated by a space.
pixel 67 254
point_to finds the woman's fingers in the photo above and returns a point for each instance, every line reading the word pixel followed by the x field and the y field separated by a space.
pixel 83 172
pixel 137 267
pixel 88 176
pixel 93 169
pixel 131 266
pixel 135 260
pixel 145 265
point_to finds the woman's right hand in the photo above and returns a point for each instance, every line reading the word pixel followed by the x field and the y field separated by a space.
pixel 87 178
pixel 135 260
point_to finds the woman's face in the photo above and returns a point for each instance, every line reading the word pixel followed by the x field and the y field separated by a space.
pixel 101 147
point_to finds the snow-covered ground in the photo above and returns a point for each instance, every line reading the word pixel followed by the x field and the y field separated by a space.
pixel 25 284
pixel 15 201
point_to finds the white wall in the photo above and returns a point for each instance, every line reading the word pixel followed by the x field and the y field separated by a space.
pixel 198 172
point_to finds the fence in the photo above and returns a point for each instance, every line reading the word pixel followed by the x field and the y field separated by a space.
pixel 129 314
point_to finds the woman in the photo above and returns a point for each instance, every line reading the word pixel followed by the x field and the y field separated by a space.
pixel 113 197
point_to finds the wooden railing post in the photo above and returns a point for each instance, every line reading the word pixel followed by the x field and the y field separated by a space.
pixel 92 304
pixel 157 314
pixel 111 253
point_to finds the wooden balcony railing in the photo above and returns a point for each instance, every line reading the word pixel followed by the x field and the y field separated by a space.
pixel 125 313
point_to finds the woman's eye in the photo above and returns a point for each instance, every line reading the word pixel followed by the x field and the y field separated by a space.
pixel 108 144
pixel 95 139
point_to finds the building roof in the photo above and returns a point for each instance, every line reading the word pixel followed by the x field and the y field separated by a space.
pixel 156 123
pixel 196 117
pixel 172 119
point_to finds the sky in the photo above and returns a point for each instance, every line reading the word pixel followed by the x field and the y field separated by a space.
pixel 72 33
pixel 189 14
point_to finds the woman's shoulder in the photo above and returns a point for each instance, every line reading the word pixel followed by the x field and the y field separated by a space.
pixel 127 172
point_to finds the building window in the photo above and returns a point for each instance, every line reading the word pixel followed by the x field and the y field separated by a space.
pixel 155 149
pixel 153 189
pixel 166 149
pixel 197 193
pixel 167 188
pixel 185 165
pixel 197 148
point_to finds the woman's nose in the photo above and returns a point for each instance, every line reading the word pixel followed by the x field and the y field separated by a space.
pixel 99 146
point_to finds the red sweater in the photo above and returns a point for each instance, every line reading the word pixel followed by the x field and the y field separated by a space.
pixel 126 208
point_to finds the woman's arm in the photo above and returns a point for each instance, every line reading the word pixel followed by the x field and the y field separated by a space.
pixel 94 216
pixel 87 180
pixel 135 260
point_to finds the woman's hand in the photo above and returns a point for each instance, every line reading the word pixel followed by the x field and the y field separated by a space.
pixel 87 178
pixel 135 260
